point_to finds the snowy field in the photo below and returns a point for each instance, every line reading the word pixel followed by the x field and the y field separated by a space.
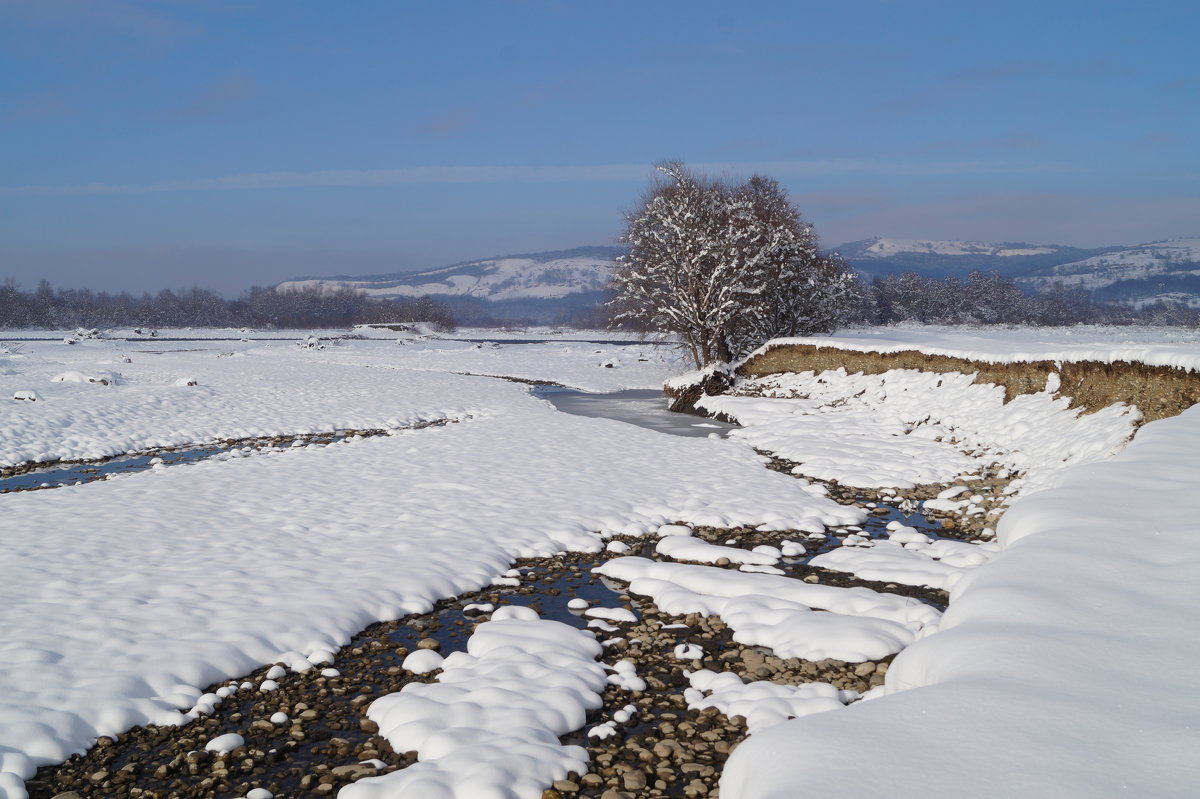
pixel 1058 670
pixel 1154 346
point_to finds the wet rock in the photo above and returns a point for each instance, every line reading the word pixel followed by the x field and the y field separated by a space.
pixel 354 771
pixel 633 780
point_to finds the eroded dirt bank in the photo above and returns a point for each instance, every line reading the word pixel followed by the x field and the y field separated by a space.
pixel 1158 391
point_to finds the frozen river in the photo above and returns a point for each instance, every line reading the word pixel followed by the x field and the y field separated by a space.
pixel 642 407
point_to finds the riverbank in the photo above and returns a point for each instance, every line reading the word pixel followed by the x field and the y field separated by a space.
pixel 1039 667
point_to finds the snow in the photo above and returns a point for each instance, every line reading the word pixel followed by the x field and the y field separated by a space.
pixel 778 612
pixel 615 615
pixel 883 248
pixel 761 703
pixel 699 551
pixel 888 562
pixel 422 661
pixel 909 557
pixel 624 676
pixel 122 600
pixel 493 279
pixel 490 724
pixel 1141 262
pixel 1153 346
pixel 903 428
pixel 1060 668
pixel 275 390
pixel 225 743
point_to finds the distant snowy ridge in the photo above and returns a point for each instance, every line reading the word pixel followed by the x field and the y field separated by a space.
pixel 549 275
pixel 940 258
pixel 1176 257
pixel 575 278
pixel 882 248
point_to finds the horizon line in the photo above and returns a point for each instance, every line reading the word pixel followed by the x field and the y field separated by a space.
pixel 465 175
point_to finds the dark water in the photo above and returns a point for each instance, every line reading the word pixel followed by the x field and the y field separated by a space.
pixel 293 335
pixel 642 407
pixel 68 474
pixel 76 473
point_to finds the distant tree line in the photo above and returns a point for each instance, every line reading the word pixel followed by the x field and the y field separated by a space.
pixel 979 299
pixel 308 307
pixel 990 299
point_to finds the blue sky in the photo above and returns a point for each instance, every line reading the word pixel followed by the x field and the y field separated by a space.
pixel 168 143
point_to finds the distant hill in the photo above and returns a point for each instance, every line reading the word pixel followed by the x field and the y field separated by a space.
pixel 545 287
pixel 1166 270
pixel 940 258
pixel 562 285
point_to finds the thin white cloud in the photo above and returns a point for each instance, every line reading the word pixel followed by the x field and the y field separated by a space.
pixel 446 175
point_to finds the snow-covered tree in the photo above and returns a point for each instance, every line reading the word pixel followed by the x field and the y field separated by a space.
pixel 724 266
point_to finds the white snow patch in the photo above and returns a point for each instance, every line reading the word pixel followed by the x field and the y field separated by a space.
pixel 700 551
pixel 422 661
pixel 225 743
pixel 617 615
pixel 778 612
pixel 490 724
pixel 762 703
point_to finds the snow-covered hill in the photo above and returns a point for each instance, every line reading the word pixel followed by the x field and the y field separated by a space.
pixel 547 275
pixel 1169 269
pixel 883 248
pixel 554 287
pixel 939 258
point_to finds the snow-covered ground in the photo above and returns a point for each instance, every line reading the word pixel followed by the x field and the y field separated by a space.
pixel 122 599
pixel 1063 667
pixel 904 427
pixel 1060 668
pixel 266 388
pixel 1154 346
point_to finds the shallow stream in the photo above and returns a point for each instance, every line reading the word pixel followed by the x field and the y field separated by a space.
pixel 330 726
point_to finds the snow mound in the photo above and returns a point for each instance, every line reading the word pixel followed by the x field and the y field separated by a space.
pixel 761 702
pixel 489 726
pixel 778 612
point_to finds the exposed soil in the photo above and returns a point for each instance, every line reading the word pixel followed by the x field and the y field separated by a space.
pixel 1158 391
